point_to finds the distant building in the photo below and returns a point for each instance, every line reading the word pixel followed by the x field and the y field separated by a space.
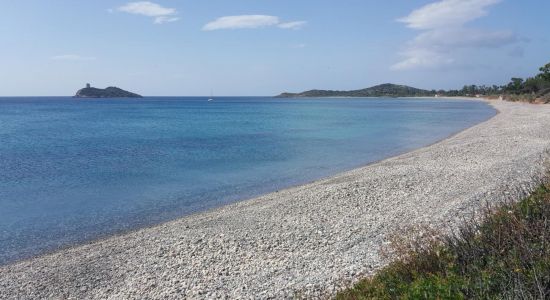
pixel 87 85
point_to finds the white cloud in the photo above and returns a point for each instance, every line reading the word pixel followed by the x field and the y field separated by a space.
pixel 292 25
pixel 517 51
pixel 447 13
pixel 463 38
pixel 250 22
pixel 444 33
pixel 159 13
pixel 240 22
pixel 299 46
pixel 72 57
pixel 425 58
pixel 161 20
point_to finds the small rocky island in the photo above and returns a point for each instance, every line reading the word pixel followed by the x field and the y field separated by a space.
pixel 109 92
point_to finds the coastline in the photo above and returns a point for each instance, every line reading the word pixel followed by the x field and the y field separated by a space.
pixel 311 239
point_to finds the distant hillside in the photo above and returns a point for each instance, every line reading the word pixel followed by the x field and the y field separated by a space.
pixel 110 92
pixel 382 90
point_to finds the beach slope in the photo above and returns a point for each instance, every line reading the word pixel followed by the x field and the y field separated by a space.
pixel 306 241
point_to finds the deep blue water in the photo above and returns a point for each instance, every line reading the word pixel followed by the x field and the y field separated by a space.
pixel 74 170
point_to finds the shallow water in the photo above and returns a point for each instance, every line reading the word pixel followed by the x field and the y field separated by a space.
pixel 74 170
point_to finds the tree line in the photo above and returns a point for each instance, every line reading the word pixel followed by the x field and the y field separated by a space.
pixel 536 85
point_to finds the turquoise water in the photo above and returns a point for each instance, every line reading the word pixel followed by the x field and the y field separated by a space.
pixel 74 170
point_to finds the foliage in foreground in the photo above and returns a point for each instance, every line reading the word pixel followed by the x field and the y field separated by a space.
pixel 505 256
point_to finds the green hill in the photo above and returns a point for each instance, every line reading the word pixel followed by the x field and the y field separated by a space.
pixel 382 90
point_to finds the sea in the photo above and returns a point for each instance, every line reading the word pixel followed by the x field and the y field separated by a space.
pixel 75 170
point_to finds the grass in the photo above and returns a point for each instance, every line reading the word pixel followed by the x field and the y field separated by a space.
pixel 506 255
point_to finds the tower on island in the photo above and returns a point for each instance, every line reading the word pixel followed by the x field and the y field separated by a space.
pixel 87 85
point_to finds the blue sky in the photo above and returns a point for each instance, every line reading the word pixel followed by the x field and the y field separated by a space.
pixel 264 47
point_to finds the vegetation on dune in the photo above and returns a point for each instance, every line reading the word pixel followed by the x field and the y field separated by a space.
pixel 532 89
pixel 504 256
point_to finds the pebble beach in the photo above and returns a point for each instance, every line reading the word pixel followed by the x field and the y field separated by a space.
pixel 308 241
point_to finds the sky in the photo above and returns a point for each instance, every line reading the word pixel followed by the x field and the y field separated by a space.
pixel 265 47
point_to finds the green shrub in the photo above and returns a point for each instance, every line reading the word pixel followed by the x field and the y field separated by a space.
pixel 504 256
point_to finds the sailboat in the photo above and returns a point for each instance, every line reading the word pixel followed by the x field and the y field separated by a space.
pixel 211 97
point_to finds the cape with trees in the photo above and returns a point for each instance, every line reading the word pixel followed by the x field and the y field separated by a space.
pixel 532 89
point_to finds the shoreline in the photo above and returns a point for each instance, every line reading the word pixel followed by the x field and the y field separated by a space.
pixel 283 242
pixel 212 209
